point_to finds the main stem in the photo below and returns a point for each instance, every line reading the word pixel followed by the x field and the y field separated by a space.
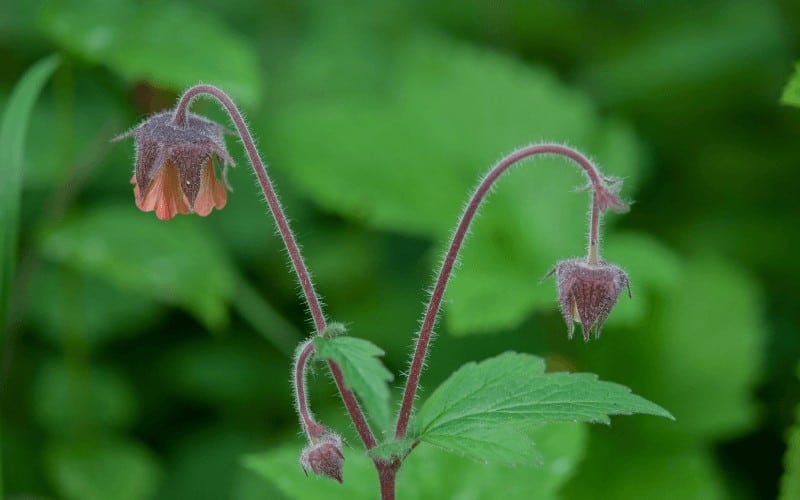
pixel 435 303
pixel 349 399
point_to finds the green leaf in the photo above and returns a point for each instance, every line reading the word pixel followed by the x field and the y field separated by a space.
pixel 430 473
pixel 790 481
pixel 621 465
pixel 12 143
pixel 70 399
pixel 363 372
pixel 406 157
pixel 683 46
pixel 103 470
pixel 479 411
pixel 176 262
pixel 86 305
pixel 712 322
pixel 791 93
pixel 172 45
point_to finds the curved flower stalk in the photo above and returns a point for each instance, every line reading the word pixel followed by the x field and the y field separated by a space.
pixel 574 286
pixel 175 174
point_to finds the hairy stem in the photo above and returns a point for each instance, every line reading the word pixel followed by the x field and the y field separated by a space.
pixel 349 399
pixel 312 429
pixel 435 303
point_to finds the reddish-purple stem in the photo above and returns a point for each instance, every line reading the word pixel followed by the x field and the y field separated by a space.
pixel 312 429
pixel 429 321
pixel 349 399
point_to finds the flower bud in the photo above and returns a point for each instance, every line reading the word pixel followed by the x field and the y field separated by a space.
pixel 587 292
pixel 324 457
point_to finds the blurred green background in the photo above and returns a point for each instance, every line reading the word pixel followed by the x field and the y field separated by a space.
pixel 145 359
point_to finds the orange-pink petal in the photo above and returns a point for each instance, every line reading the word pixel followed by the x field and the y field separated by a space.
pixel 164 195
pixel 212 192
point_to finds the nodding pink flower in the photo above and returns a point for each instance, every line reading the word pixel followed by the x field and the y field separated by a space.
pixel 174 171
pixel 324 457
pixel 587 291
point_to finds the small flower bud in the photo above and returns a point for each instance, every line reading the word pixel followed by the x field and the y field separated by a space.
pixel 324 457
pixel 587 292
pixel 174 170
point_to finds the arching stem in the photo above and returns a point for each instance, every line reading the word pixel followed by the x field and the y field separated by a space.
pixel 601 198
pixel 310 294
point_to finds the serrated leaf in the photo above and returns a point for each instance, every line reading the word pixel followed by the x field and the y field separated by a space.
pixel 430 473
pixel 363 372
pixel 791 93
pixel 422 181
pixel 172 45
pixel 13 131
pixel 176 263
pixel 479 410
pixel 103 470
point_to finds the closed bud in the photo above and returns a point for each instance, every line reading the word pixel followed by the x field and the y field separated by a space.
pixel 587 292
pixel 324 457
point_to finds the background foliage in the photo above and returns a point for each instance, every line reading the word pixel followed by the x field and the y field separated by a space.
pixel 150 360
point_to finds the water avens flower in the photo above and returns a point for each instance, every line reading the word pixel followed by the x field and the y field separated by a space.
pixel 174 172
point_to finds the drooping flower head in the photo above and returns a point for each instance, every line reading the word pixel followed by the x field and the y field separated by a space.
pixel 174 170
pixel 587 292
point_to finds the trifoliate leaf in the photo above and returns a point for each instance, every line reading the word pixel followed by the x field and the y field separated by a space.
pixel 363 372
pixel 479 411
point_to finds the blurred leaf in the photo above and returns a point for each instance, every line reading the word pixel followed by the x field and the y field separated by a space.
pixel 790 481
pixel 105 470
pixel 687 46
pixel 653 269
pixel 12 143
pixel 223 372
pixel 363 372
pixel 103 312
pixel 204 465
pixel 406 156
pixel 429 473
pixel 75 399
pixel 478 412
pixel 172 45
pixel 708 343
pixel 175 262
pixel 791 93
pixel 622 466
